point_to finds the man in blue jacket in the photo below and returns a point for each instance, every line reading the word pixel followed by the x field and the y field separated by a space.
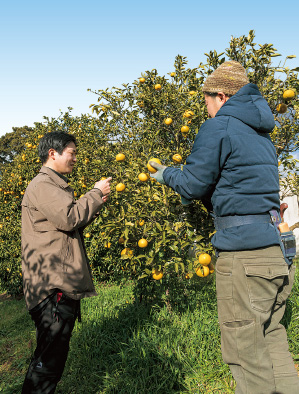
pixel 234 164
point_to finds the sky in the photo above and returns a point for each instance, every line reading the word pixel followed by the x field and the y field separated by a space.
pixel 52 52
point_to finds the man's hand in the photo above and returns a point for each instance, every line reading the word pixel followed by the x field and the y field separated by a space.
pixel 159 174
pixel 104 186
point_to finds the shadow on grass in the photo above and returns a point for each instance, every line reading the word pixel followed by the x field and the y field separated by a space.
pixel 116 355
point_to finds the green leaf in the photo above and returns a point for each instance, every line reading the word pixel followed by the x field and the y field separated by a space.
pixel 158 225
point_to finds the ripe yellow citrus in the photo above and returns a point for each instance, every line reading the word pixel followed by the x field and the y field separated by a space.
pixel 103 178
pixel 172 74
pixel 141 80
pixel 202 271
pixel 141 104
pixel 127 252
pixel 204 259
pixel 192 92
pixel 120 187
pixel 140 222
pixel 177 158
pixel 107 244
pixel 184 129
pixel 188 114
pixel 187 276
pixel 150 168
pixel 120 157
pixel 86 161
pixel 158 86
pixel 288 94
pixel 157 275
pixel 143 177
pixel 87 235
pixel 142 243
pixel 281 108
pixel 168 121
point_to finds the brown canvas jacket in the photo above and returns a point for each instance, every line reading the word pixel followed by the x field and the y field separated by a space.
pixel 53 252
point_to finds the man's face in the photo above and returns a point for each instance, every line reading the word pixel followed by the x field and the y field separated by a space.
pixel 213 105
pixel 65 162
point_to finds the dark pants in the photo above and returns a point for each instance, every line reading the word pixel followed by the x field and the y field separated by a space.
pixel 54 322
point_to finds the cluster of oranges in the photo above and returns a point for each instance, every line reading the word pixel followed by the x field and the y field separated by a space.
pixel 287 96
pixel 205 266
pixel 188 114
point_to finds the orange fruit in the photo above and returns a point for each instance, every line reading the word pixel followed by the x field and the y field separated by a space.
pixel 107 244
pixel 157 275
pixel 86 161
pixel 172 74
pixel 140 222
pixel 188 114
pixel 142 243
pixel 177 158
pixel 141 104
pixel 185 129
pixel 120 187
pixel 192 92
pixel 127 252
pixel 187 276
pixel 202 271
pixel 168 121
pixel 282 108
pixel 143 177
pixel 150 168
pixel 120 157
pixel 158 86
pixel 204 259
pixel 87 235
pixel 141 80
pixel 288 94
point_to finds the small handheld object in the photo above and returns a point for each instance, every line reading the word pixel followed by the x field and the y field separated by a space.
pixel 287 239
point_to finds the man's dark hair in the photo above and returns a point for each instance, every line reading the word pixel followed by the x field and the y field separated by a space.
pixel 57 140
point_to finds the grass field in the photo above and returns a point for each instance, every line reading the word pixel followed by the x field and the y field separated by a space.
pixel 123 346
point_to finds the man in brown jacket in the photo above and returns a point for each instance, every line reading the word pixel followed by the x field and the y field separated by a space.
pixel 56 273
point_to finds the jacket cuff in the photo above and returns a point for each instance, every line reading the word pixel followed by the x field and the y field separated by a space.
pixel 98 190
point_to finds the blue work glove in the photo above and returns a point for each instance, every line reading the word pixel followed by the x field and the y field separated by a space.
pixel 159 174
pixel 184 201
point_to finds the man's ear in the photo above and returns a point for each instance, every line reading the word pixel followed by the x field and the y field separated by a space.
pixel 222 97
pixel 52 154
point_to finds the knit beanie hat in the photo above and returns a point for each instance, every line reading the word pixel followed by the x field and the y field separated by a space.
pixel 228 78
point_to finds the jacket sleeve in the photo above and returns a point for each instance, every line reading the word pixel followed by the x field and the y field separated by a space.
pixel 201 172
pixel 57 205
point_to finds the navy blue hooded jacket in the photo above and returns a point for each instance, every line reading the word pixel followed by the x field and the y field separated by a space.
pixel 234 162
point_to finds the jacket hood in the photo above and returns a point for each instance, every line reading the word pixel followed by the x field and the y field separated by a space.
pixel 251 108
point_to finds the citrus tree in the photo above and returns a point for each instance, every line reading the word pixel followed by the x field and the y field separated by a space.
pixel 144 232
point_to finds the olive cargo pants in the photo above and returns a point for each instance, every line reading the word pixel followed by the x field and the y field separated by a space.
pixel 252 288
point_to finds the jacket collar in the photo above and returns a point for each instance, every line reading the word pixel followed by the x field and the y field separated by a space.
pixel 59 179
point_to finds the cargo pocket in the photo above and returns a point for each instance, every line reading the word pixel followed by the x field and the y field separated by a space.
pixel 263 283
pixel 286 289
pixel 238 341
pixel 224 281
